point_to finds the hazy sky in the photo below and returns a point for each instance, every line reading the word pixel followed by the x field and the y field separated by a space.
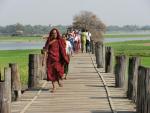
pixel 45 12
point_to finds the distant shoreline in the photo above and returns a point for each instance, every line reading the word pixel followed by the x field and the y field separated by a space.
pixel 40 39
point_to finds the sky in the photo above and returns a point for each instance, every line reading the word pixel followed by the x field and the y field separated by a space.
pixel 56 12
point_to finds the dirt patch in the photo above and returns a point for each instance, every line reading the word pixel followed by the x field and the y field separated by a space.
pixel 146 44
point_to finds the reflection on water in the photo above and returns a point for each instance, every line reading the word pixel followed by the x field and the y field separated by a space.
pixel 21 45
pixel 39 45
pixel 124 39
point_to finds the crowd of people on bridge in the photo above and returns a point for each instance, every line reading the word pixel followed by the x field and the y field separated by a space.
pixel 59 48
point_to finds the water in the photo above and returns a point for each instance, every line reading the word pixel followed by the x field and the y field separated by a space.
pixel 39 45
pixel 124 39
pixel 21 45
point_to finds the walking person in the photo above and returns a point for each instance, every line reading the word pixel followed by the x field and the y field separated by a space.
pixel 88 41
pixel 71 40
pixel 68 52
pixel 83 40
pixel 78 39
pixel 56 57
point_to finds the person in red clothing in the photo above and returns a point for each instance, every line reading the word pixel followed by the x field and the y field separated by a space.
pixel 56 57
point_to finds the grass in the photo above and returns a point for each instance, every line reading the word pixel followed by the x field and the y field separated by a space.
pixel 17 56
pixel 133 48
pixel 129 48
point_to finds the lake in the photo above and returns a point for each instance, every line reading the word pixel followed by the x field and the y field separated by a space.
pixel 39 45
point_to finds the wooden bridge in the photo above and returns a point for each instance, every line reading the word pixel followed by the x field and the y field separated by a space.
pixel 87 90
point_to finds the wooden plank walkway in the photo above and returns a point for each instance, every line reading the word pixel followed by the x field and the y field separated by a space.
pixel 83 92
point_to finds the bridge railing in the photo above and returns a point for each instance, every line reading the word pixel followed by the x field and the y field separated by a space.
pixel 129 74
pixel 10 82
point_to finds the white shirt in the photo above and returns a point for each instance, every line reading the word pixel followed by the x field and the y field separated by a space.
pixel 68 47
pixel 88 36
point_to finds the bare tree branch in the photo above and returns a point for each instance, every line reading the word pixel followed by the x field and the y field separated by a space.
pixel 90 21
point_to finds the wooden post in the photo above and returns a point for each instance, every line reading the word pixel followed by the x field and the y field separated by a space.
pixel 5 92
pixel 104 58
pixel 92 47
pixel 134 63
pixel 96 51
pixel 143 90
pixel 15 82
pixel 2 105
pixel 0 75
pixel 120 69
pixel 99 47
pixel 7 95
pixel 109 60
pixel 43 65
pixel 34 71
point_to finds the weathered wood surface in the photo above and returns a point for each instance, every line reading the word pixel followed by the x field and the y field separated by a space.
pixel 0 75
pixel 109 60
pixel 120 70
pixel 143 90
pixel 5 92
pixel 83 92
pixel 100 54
pixel 134 63
pixel 92 47
pixel 15 82
pixel 35 70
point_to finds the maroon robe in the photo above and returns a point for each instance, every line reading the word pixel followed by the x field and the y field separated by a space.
pixel 56 58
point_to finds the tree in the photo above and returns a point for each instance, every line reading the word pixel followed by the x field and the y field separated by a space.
pixel 19 29
pixel 88 20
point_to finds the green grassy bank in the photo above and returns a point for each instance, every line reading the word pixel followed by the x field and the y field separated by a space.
pixel 129 48
pixel 133 48
pixel 17 56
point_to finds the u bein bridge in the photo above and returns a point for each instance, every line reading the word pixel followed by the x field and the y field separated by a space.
pixel 95 84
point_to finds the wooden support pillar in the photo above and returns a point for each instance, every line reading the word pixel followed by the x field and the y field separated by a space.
pixel 35 74
pixel 0 75
pixel 143 90
pixel 5 92
pixel 15 82
pixel 134 63
pixel 92 47
pixel 120 70
pixel 109 60
pixel 100 54
pixel 43 65
pixel 2 104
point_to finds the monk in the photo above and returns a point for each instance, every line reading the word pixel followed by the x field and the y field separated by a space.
pixel 56 57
